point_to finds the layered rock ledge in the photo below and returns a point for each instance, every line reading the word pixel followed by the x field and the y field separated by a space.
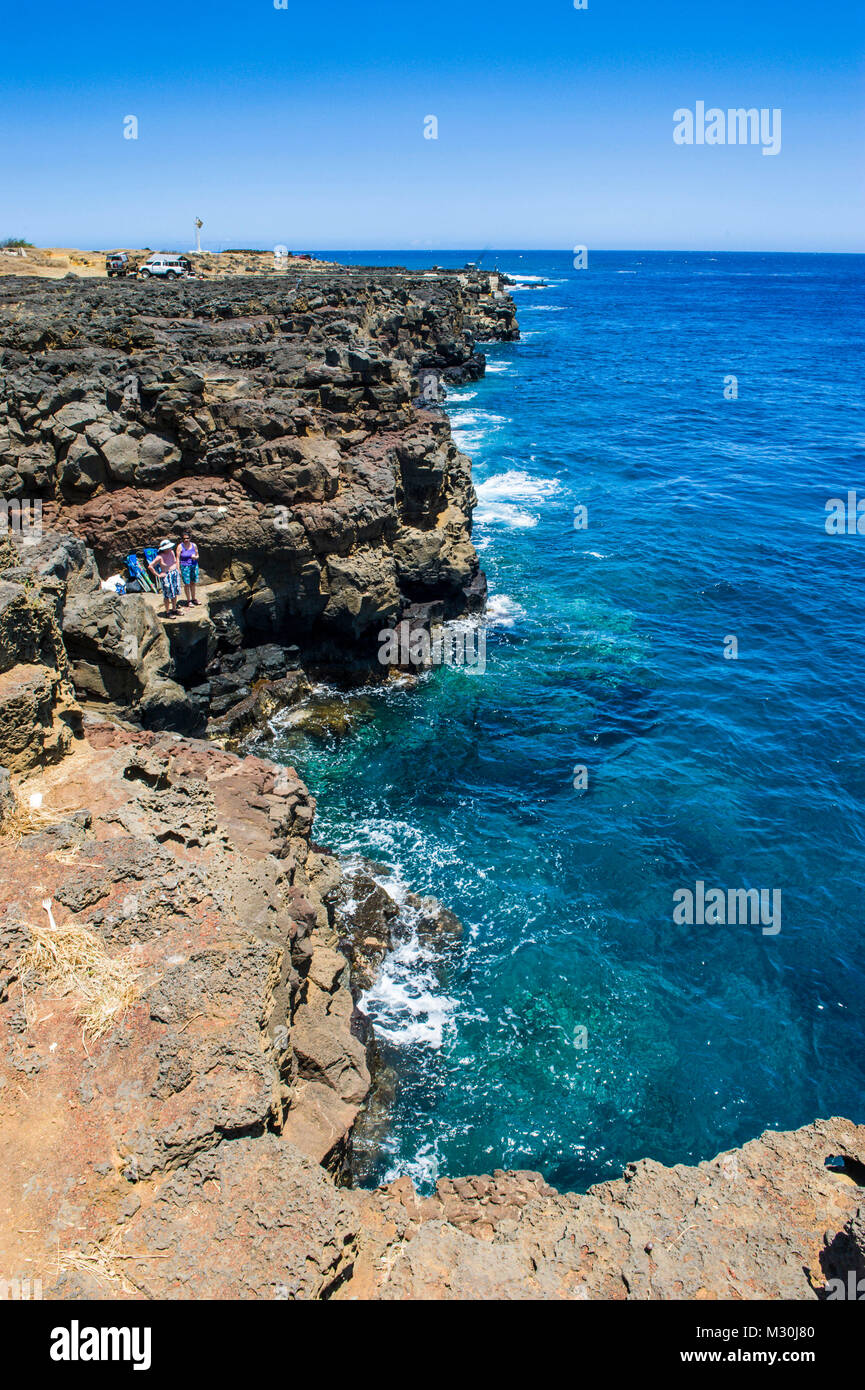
pixel 295 426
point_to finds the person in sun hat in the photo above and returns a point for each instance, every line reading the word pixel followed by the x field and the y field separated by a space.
pixel 164 568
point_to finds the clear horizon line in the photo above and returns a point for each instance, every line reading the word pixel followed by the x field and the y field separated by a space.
pixel 487 251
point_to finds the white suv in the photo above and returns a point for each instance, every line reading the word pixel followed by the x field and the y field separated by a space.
pixel 166 266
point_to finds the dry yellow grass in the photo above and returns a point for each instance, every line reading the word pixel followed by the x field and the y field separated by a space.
pixel 55 262
pixel 71 960
pixel 26 820
pixel 99 1260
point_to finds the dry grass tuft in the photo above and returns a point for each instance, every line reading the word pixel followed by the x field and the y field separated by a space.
pixel 99 1260
pixel 26 820
pixel 70 960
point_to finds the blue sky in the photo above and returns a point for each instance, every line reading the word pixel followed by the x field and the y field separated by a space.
pixel 304 126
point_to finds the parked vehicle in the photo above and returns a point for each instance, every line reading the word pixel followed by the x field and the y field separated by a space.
pixel 165 266
pixel 117 263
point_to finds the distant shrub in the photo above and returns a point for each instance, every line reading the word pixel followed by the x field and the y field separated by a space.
pixel 13 242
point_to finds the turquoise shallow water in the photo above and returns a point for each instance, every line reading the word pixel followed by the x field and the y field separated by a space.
pixel 605 648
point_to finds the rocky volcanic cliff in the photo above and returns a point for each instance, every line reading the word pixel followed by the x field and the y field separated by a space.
pixel 283 424
pixel 182 1059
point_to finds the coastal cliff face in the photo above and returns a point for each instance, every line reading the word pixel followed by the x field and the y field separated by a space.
pixel 284 425
pixel 294 427
pixel 182 1058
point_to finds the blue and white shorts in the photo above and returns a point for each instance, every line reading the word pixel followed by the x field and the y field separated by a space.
pixel 170 582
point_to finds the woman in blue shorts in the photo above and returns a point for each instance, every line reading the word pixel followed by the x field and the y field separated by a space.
pixel 164 568
pixel 187 558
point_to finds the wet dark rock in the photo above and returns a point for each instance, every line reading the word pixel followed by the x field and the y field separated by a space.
pixel 366 917
pixel 239 713
pixel 328 719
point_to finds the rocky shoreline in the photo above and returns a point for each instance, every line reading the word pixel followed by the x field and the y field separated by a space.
pixel 183 1060
pixel 297 430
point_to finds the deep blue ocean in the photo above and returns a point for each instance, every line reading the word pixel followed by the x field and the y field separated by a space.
pixel 605 648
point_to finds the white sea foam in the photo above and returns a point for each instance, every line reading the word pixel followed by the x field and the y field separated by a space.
pixel 499 494
pixel 423 1169
pixel 502 611
pixel 470 441
pixel 469 426
pixel 462 417
pixel 405 1001
pixel 498 367
pixel 517 486
pixel 506 514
